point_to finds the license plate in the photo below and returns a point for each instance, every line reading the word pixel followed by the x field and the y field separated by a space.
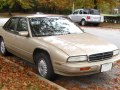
pixel 106 67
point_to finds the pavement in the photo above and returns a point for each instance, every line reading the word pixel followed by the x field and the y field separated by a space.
pixel 3 21
pixel 109 34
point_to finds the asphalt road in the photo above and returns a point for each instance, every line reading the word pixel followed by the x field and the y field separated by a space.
pixel 3 21
pixel 112 35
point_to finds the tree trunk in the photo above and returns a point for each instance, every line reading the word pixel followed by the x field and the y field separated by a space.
pixel 10 11
pixel 36 6
pixel 95 3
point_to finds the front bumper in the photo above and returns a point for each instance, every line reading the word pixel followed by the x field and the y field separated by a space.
pixel 73 69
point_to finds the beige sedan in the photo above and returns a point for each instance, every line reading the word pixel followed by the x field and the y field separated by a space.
pixel 56 45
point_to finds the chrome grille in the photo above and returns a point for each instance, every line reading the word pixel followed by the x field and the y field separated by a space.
pixel 100 56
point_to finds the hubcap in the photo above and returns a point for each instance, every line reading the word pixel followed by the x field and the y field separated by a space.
pixel 42 68
pixel 83 23
pixel 2 47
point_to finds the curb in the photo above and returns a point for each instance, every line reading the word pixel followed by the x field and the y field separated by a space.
pixel 43 79
pixel 49 82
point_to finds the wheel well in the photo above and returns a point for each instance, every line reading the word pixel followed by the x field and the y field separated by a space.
pixel 0 37
pixel 83 19
pixel 38 50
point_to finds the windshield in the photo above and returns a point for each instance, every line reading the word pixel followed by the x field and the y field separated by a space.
pixel 48 26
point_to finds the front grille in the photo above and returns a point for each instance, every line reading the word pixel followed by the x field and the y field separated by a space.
pixel 100 56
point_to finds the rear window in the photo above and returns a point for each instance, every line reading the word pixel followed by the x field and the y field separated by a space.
pixel 95 12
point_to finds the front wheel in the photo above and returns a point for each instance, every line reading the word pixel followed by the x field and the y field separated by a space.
pixel 3 49
pixel 83 22
pixel 44 66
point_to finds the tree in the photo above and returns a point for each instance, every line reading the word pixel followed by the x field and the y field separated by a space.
pixel 106 6
pixel 25 4
pixel 59 6
pixel 95 4
pixel 9 4
pixel 55 6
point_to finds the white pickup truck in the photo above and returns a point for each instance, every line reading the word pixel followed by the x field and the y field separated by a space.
pixel 85 16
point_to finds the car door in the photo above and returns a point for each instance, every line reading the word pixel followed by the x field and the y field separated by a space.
pixel 9 33
pixel 85 14
pixel 23 43
pixel 75 16
pixel 80 15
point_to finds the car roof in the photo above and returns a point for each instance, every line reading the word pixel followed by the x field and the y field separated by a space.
pixel 40 15
pixel 85 9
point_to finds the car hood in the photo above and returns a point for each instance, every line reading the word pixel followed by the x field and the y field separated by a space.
pixel 79 44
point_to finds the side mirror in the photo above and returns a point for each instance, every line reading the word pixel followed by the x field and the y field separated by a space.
pixel 23 33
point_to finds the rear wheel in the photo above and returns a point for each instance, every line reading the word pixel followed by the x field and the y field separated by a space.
pixel 83 22
pixel 44 66
pixel 3 49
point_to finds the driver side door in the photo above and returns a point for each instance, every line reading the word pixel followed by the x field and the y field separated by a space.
pixel 75 16
pixel 23 43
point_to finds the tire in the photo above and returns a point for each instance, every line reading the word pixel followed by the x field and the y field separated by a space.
pixel 44 66
pixel 3 49
pixel 83 22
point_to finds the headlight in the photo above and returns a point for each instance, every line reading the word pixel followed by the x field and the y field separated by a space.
pixel 77 58
pixel 115 52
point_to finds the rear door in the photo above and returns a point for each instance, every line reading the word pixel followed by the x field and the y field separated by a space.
pixel 85 14
pixel 9 33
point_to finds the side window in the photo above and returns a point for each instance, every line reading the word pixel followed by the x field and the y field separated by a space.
pixel 85 12
pixel 76 12
pixel 22 25
pixel 10 25
pixel 80 12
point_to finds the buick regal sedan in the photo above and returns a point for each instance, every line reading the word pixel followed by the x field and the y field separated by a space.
pixel 57 46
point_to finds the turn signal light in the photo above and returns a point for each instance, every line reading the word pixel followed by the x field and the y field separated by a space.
pixel 85 69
